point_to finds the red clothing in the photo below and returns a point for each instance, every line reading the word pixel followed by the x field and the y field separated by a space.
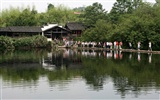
pixel 116 43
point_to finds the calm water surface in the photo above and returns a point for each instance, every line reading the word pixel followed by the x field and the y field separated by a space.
pixel 79 74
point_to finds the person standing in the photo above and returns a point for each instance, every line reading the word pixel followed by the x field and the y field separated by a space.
pixel 139 45
pixel 150 46
pixel 117 44
pixel 120 45
pixel 99 44
pixel 110 43
pixel 114 44
pixel 130 45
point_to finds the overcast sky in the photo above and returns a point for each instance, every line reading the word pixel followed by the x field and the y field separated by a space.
pixel 41 5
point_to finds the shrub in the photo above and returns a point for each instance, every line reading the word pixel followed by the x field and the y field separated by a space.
pixel 39 41
pixel 6 43
pixel 23 42
pixel 31 42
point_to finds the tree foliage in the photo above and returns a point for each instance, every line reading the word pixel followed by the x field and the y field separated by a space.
pixel 30 17
pixel 92 14
pixel 129 21
pixel 26 18
pixel 8 17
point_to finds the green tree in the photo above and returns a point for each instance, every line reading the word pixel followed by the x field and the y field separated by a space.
pixel 142 25
pixel 121 7
pixel 50 6
pixel 26 18
pixel 60 14
pixel 125 6
pixel 101 32
pixel 8 16
pixel 93 13
pixel 158 1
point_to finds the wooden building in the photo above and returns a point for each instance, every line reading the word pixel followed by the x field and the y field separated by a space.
pixel 76 28
pixel 54 31
pixel 51 31
pixel 20 31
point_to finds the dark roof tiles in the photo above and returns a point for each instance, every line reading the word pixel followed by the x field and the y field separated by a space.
pixel 27 29
pixel 4 29
pixel 75 26
pixel 21 29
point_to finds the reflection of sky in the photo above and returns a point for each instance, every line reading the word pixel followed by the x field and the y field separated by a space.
pixel 74 89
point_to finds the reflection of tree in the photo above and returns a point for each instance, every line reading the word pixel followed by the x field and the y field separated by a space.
pixel 20 65
pixel 129 75
pixel 19 73
pixel 123 86
pixel 23 56
pixel 96 81
pixel 94 74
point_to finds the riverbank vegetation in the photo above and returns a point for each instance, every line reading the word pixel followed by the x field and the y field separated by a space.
pixel 37 41
pixel 128 21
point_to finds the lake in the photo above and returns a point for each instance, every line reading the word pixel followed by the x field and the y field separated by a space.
pixel 79 74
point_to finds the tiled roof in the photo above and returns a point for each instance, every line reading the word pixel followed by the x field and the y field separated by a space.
pixel 21 29
pixel 74 26
pixel 4 29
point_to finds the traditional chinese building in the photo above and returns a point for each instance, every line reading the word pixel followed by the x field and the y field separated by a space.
pixel 20 31
pixel 54 31
pixel 76 28
pixel 51 31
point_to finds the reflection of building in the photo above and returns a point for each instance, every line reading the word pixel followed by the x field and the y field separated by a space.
pixel 47 63
pixel 63 60
pixel 53 60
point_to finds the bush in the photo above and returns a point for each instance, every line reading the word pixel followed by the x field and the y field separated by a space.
pixel 6 43
pixel 31 42
pixel 39 41
pixel 24 42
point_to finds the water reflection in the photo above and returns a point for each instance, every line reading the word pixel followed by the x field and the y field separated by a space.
pixel 139 57
pixel 131 73
pixel 150 57
pixel 130 56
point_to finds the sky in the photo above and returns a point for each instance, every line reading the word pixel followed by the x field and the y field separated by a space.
pixel 41 5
